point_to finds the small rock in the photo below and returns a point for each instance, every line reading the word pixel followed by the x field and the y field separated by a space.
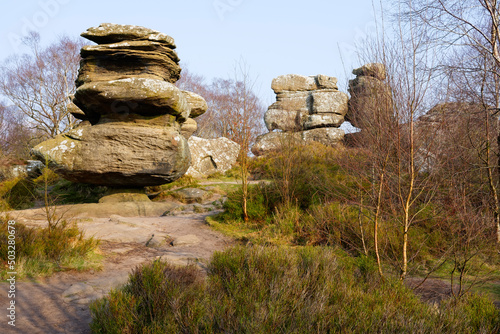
pixel 156 241
pixel 115 218
pixel 191 195
pixel 186 240
pixel 375 70
pixel 125 196
pixel 77 291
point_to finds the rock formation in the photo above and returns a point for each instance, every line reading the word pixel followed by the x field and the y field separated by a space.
pixel 135 120
pixel 210 156
pixel 371 98
pixel 308 108
pixel 451 133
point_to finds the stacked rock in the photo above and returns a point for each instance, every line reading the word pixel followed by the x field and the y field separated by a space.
pixel 308 108
pixel 371 98
pixel 140 120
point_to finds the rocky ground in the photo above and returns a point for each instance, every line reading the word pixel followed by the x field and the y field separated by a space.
pixel 59 304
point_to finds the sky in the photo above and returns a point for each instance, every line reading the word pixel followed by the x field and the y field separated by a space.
pixel 271 37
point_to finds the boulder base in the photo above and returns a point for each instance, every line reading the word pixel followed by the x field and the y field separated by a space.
pixel 127 155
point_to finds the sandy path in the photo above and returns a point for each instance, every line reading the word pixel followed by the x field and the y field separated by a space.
pixel 45 307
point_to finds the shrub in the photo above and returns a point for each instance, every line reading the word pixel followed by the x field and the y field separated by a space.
pixel 257 205
pixel 43 251
pixel 280 290
pixel 159 298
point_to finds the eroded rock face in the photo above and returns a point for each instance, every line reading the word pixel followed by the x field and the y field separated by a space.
pixel 303 104
pixel 371 97
pixel 113 33
pixel 295 83
pixel 211 155
pixel 141 96
pixel 118 154
pixel 138 120
pixel 375 70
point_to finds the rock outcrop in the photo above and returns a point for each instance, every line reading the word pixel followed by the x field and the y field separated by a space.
pixel 451 133
pixel 371 97
pixel 307 108
pixel 209 156
pixel 136 121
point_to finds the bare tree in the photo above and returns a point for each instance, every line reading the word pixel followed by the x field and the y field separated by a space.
pixel 234 111
pixel 471 30
pixel 14 135
pixel 401 183
pixel 38 84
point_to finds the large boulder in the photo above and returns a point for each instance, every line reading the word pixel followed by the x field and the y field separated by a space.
pixel 136 121
pixel 275 142
pixel 286 120
pixel 329 102
pixel 131 58
pixel 295 83
pixel 327 136
pixel 188 128
pixel 112 33
pixel 118 154
pixel 307 107
pixel 323 121
pixel 141 96
pixel 197 103
pixel 371 100
pixel 210 156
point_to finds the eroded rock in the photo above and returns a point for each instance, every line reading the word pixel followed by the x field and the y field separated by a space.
pixel 210 156
pixel 118 154
pixel 136 121
pixel 371 98
pixel 303 104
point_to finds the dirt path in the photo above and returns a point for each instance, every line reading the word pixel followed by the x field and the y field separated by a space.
pixel 59 304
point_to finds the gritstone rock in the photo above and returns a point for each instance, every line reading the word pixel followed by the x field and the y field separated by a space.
pixel 211 155
pixel 303 104
pixel 371 98
pixel 140 119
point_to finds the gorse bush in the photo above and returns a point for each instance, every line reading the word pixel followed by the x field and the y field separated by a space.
pixel 45 250
pixel 280 290
pixel 257 205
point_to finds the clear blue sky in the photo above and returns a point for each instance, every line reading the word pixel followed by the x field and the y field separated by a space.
pixel 273 37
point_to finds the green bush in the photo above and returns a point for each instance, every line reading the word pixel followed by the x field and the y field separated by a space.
pixel 41 251
pixel 257 205
pixel 280 290
pixel 159 298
